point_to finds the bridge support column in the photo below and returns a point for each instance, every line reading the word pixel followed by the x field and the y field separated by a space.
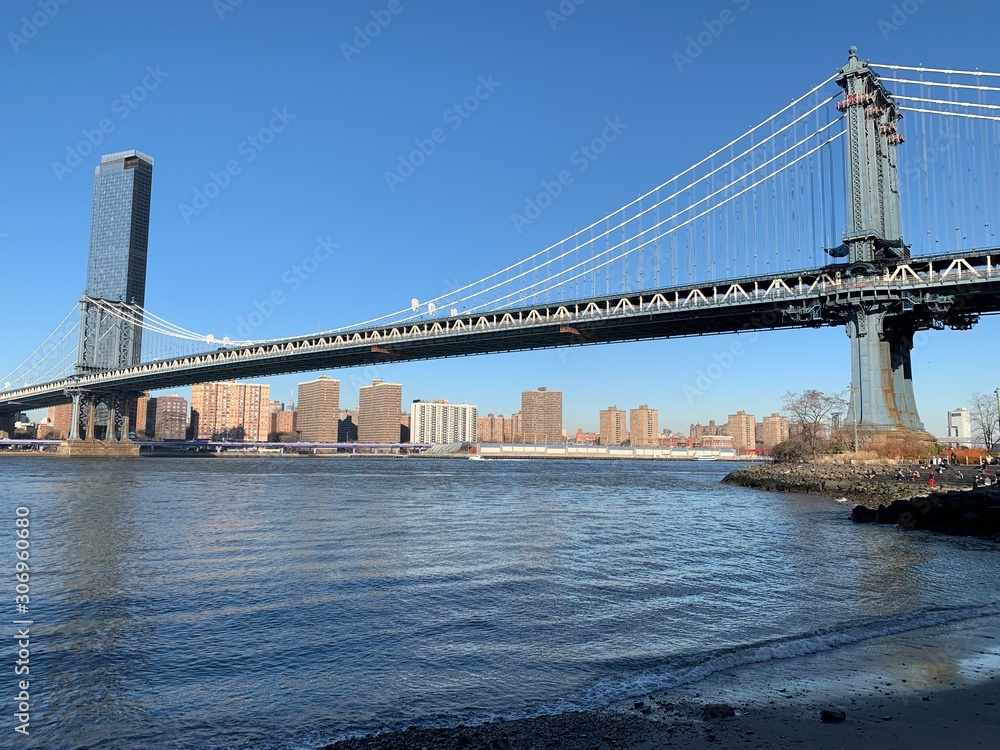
pixel 110 433
pixel 882 397
pixel 7 424
pixel 91 427
pixel 126 405
pixel 74 422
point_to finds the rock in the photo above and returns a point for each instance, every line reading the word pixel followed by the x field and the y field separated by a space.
pixel 861 514
pixel 639 704
pixel 717 711
pixel 828 716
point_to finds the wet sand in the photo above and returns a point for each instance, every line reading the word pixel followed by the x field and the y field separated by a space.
pixel 966 717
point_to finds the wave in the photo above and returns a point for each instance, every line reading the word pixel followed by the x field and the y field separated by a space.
pixel 682 670
pixel 691 668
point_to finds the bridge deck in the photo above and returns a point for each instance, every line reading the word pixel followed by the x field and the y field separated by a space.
pixel 813 298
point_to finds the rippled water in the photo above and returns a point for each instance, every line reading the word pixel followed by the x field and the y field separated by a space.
pixel 285 603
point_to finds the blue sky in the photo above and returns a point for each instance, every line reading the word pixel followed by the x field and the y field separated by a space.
pixel 343 110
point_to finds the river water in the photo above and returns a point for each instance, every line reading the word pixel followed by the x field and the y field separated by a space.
pixel 286 603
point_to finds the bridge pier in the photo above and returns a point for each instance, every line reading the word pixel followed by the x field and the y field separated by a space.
pixel 882 397
pixel 83 441
pixel 7 425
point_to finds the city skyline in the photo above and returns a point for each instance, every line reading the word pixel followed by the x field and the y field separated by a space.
pixel 328 390
pixel 319 418
pixel 206 220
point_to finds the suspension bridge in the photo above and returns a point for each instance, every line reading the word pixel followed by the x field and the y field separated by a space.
pixel 870 202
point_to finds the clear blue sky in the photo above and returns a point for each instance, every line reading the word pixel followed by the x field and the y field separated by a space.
pixel 212 74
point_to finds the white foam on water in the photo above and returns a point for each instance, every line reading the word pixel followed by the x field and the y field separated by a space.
pixel 694 669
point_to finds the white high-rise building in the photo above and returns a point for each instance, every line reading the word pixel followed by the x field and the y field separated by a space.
pixel 960 426
pixel 442 423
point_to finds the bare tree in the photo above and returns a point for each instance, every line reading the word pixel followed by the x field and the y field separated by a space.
pixel 983 413
pixel 811 410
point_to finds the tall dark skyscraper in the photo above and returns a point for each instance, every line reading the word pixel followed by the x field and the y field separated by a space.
pixel 116 268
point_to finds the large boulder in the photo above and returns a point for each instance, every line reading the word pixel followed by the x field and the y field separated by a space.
pixel 863 514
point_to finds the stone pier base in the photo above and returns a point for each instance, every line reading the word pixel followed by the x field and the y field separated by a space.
pixel 98 449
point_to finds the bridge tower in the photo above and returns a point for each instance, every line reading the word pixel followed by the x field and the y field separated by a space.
pixel 881 339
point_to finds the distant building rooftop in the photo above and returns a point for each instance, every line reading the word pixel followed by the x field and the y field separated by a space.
pixel 122 155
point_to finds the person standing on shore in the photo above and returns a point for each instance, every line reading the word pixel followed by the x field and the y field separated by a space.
pixel 930 481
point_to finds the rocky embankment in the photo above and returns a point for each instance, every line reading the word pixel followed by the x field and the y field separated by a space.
pixel 950 507
pixel 840 480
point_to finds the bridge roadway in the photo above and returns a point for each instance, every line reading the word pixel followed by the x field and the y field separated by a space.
pixel 951 289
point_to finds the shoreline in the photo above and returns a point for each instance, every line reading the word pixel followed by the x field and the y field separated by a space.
pixel 896 692
pixel 957 717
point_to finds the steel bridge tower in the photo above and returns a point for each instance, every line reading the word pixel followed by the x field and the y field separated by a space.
pixel 881 335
